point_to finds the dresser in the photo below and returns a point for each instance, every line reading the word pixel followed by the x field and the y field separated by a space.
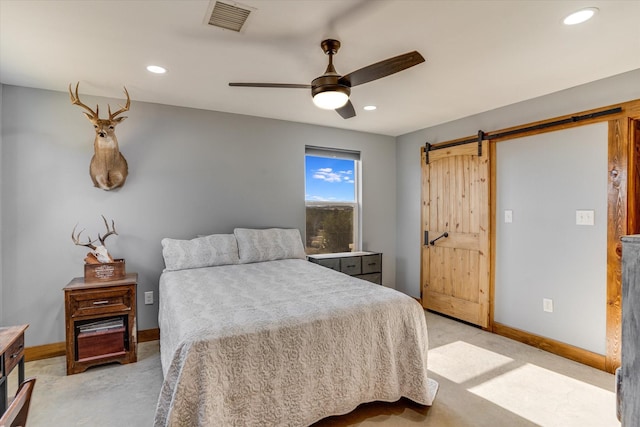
pixel 100 322
pixel 364 265
pixel 629 381
pixel 11 355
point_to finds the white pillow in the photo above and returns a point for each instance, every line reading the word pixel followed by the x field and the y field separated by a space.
pixel 206 251
pixel 268 245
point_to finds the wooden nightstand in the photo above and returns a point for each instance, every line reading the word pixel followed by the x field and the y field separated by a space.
pixel 100 322
pixel 364 265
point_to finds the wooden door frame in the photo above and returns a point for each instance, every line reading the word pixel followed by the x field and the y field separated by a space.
pixel 623 218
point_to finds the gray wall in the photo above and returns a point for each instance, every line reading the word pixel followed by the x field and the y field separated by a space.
pixel 543 180
pixel 191 172
pixel 623 87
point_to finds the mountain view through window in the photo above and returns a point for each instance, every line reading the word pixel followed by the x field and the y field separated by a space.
pixel 331 204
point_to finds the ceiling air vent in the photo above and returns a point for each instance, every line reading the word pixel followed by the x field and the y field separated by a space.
pixel 227 16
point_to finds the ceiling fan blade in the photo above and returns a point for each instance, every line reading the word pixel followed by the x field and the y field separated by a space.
pixel 382 69
pixel 277 85
pixel 346 111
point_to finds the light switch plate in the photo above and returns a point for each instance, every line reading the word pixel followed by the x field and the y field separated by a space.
pixel 508 216
pixel 585 217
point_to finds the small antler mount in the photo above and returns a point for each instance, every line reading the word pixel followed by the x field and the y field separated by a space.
pixel 98 253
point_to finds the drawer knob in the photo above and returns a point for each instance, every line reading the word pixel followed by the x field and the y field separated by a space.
pixel 350 266
pixel 101 302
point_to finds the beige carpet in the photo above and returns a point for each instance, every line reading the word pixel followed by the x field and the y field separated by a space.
pixel 485 380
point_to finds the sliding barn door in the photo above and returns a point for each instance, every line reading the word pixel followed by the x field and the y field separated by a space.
pixel 455 201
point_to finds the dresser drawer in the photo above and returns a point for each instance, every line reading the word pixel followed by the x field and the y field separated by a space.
pixel 351 265
pixel 14 353
pixel 103 301
pixel 372 277
pixel 371 264
pixel 332 263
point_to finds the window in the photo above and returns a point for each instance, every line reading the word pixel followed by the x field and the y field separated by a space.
pixel 332 200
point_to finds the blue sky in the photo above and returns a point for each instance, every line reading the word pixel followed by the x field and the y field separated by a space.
pixel 329 179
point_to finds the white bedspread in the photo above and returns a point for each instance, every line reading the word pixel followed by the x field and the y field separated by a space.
pixel 284 343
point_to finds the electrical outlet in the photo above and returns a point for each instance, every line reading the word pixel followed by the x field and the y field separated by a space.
pixel 148 297
pixel 547 305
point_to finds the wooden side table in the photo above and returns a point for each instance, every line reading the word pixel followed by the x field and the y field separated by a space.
pixel 100 320
pixel 11 355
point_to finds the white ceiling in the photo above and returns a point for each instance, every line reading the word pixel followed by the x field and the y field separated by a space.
pixel 480 55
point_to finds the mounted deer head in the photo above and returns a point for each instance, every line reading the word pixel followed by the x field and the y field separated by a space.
pixel 98 253
pixel 108 168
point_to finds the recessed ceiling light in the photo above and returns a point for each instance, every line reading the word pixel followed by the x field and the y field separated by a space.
pixel 580 16
pixel 156 69
pixel 370 107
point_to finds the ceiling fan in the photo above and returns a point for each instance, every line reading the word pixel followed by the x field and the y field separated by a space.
pixel 331 91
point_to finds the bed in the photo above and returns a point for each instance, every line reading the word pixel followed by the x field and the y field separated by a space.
pixel 252 334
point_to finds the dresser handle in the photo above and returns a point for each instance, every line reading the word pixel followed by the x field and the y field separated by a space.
pixel 14 355
pixel 372 263
pixel 351 266
pixel 101 302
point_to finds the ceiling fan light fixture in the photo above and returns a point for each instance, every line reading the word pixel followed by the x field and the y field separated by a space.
pixel 331 91
pixel 330 99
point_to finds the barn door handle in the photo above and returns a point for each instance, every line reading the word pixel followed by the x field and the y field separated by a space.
pixel 433 242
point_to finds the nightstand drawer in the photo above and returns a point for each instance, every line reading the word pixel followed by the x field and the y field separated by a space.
pixel 351 265
pixel 13 355
pixel 371 264
pixel 103 301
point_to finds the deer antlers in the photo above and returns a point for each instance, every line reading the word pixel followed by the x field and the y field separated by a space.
pixel 122 109
pixel 75 100
pixel 90 243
